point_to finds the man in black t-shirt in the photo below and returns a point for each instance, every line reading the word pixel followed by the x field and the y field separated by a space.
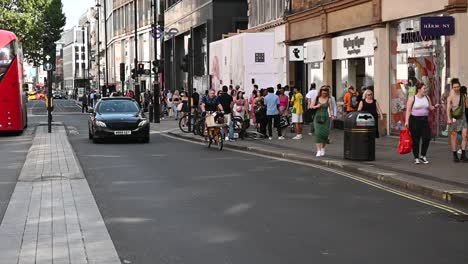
pixel 226 100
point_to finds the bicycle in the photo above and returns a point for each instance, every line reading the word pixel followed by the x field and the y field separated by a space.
pixel 214 126
pixel 187 124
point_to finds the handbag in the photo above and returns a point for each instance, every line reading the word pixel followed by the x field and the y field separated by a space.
pixel 458 112
pixel 179 107
pixel 320 119
pixel 406 142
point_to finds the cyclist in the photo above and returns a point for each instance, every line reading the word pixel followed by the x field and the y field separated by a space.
pixel 211 104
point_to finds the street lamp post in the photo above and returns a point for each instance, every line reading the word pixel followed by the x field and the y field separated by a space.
pixel 88 86
pixel 156 90
pixel 98 51
pixel 105 46
pixel 137 85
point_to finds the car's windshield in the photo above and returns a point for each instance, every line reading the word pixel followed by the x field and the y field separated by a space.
pixel 7 55
pixel 117 106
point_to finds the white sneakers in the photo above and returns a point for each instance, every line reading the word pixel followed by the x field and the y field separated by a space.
pixel 424 160
pixel 320 153
pixel 297 137
pixel 421 159
pixel 281 138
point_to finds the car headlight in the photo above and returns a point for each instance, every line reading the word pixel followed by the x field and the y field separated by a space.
pixel 100 124
pixel 142 123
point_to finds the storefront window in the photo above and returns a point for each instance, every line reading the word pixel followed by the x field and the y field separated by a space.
pixel 414 59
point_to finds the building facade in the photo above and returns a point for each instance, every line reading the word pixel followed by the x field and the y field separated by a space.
pixel 269 16
pixel 203 21
pixel 75 61
pixel 119 24
pixel 380 44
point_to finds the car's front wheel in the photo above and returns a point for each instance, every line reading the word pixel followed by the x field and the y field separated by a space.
pixel 146 139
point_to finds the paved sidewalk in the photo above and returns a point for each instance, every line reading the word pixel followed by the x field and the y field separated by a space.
pixel 52 216
pixel 441 179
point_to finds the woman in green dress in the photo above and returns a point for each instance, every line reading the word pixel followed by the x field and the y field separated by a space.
pixel 323 115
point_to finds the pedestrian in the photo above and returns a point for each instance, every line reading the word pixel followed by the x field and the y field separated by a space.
pixel 297 112
pixel 351 100
pixel 84 103
pixel 456 119
pixel 324 110
pixel 195 100
pixel 252 107
pixel 272 104
pixel 239 109
pixel 261 114
pixel 370 105
pixel 175 104
pixel 283 110
pixel 310 97
pixel 170 105
pixel 225 99
pixel 417 120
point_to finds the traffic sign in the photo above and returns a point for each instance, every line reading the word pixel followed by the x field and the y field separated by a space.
pixel 48 66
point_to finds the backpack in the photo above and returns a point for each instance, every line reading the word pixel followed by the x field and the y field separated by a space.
pixel 354 101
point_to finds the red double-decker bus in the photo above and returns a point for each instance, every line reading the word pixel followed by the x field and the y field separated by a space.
pixel 13 112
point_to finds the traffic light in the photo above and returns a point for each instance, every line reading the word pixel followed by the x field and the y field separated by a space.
pixel 155 67
pixel 122 72
pixel 133 74
pixel 184 64
pixel 141 68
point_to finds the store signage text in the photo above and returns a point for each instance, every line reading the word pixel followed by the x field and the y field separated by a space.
pixel 353 45
pixel 437 26
pixel 414 37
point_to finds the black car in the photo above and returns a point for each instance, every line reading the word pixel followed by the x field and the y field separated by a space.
pixel 57 95
pixel 118 117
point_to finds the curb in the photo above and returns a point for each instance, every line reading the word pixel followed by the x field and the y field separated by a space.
pixel 384 177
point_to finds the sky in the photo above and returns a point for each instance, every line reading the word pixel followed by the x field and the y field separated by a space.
pixel 73 10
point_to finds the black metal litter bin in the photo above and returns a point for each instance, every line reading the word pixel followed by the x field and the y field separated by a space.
pixel 359 136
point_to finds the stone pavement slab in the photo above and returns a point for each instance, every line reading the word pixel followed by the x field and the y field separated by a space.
pixel 52 216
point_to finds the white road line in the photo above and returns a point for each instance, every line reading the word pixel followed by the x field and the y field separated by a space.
pixel 441 206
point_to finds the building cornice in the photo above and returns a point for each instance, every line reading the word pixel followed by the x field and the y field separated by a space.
pixel 266 26
pixel 323 9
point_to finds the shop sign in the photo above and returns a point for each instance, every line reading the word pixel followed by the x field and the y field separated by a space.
pixel 296 53
pixel 414 37
pixel 437 26
pixel 313 51
pixel 259 57
pixel 353 45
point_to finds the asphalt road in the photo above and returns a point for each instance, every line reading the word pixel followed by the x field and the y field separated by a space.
pixel 176 202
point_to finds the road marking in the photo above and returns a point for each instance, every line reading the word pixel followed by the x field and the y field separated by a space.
pixel 441 206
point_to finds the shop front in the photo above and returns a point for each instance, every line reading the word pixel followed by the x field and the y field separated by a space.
pixel 313 60
pixel 417 56
pixel 353 65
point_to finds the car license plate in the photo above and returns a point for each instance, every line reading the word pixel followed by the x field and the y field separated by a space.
pixel 122 133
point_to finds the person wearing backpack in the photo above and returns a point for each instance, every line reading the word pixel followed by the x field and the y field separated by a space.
pixel 417 120
pixel 351 100
pixel 456 120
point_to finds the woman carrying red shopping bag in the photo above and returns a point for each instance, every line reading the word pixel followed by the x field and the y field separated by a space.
pixel 417 120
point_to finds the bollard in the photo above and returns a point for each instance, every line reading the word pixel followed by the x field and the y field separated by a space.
pixel 151 112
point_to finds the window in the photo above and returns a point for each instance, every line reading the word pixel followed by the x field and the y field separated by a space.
pixel 7 55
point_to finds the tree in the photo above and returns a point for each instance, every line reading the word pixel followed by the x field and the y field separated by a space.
pixel 31 21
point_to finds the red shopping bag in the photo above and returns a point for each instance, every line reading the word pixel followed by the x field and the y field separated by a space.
pixel 406 142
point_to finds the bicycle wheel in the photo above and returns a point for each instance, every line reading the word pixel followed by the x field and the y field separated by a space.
pixel 184 124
